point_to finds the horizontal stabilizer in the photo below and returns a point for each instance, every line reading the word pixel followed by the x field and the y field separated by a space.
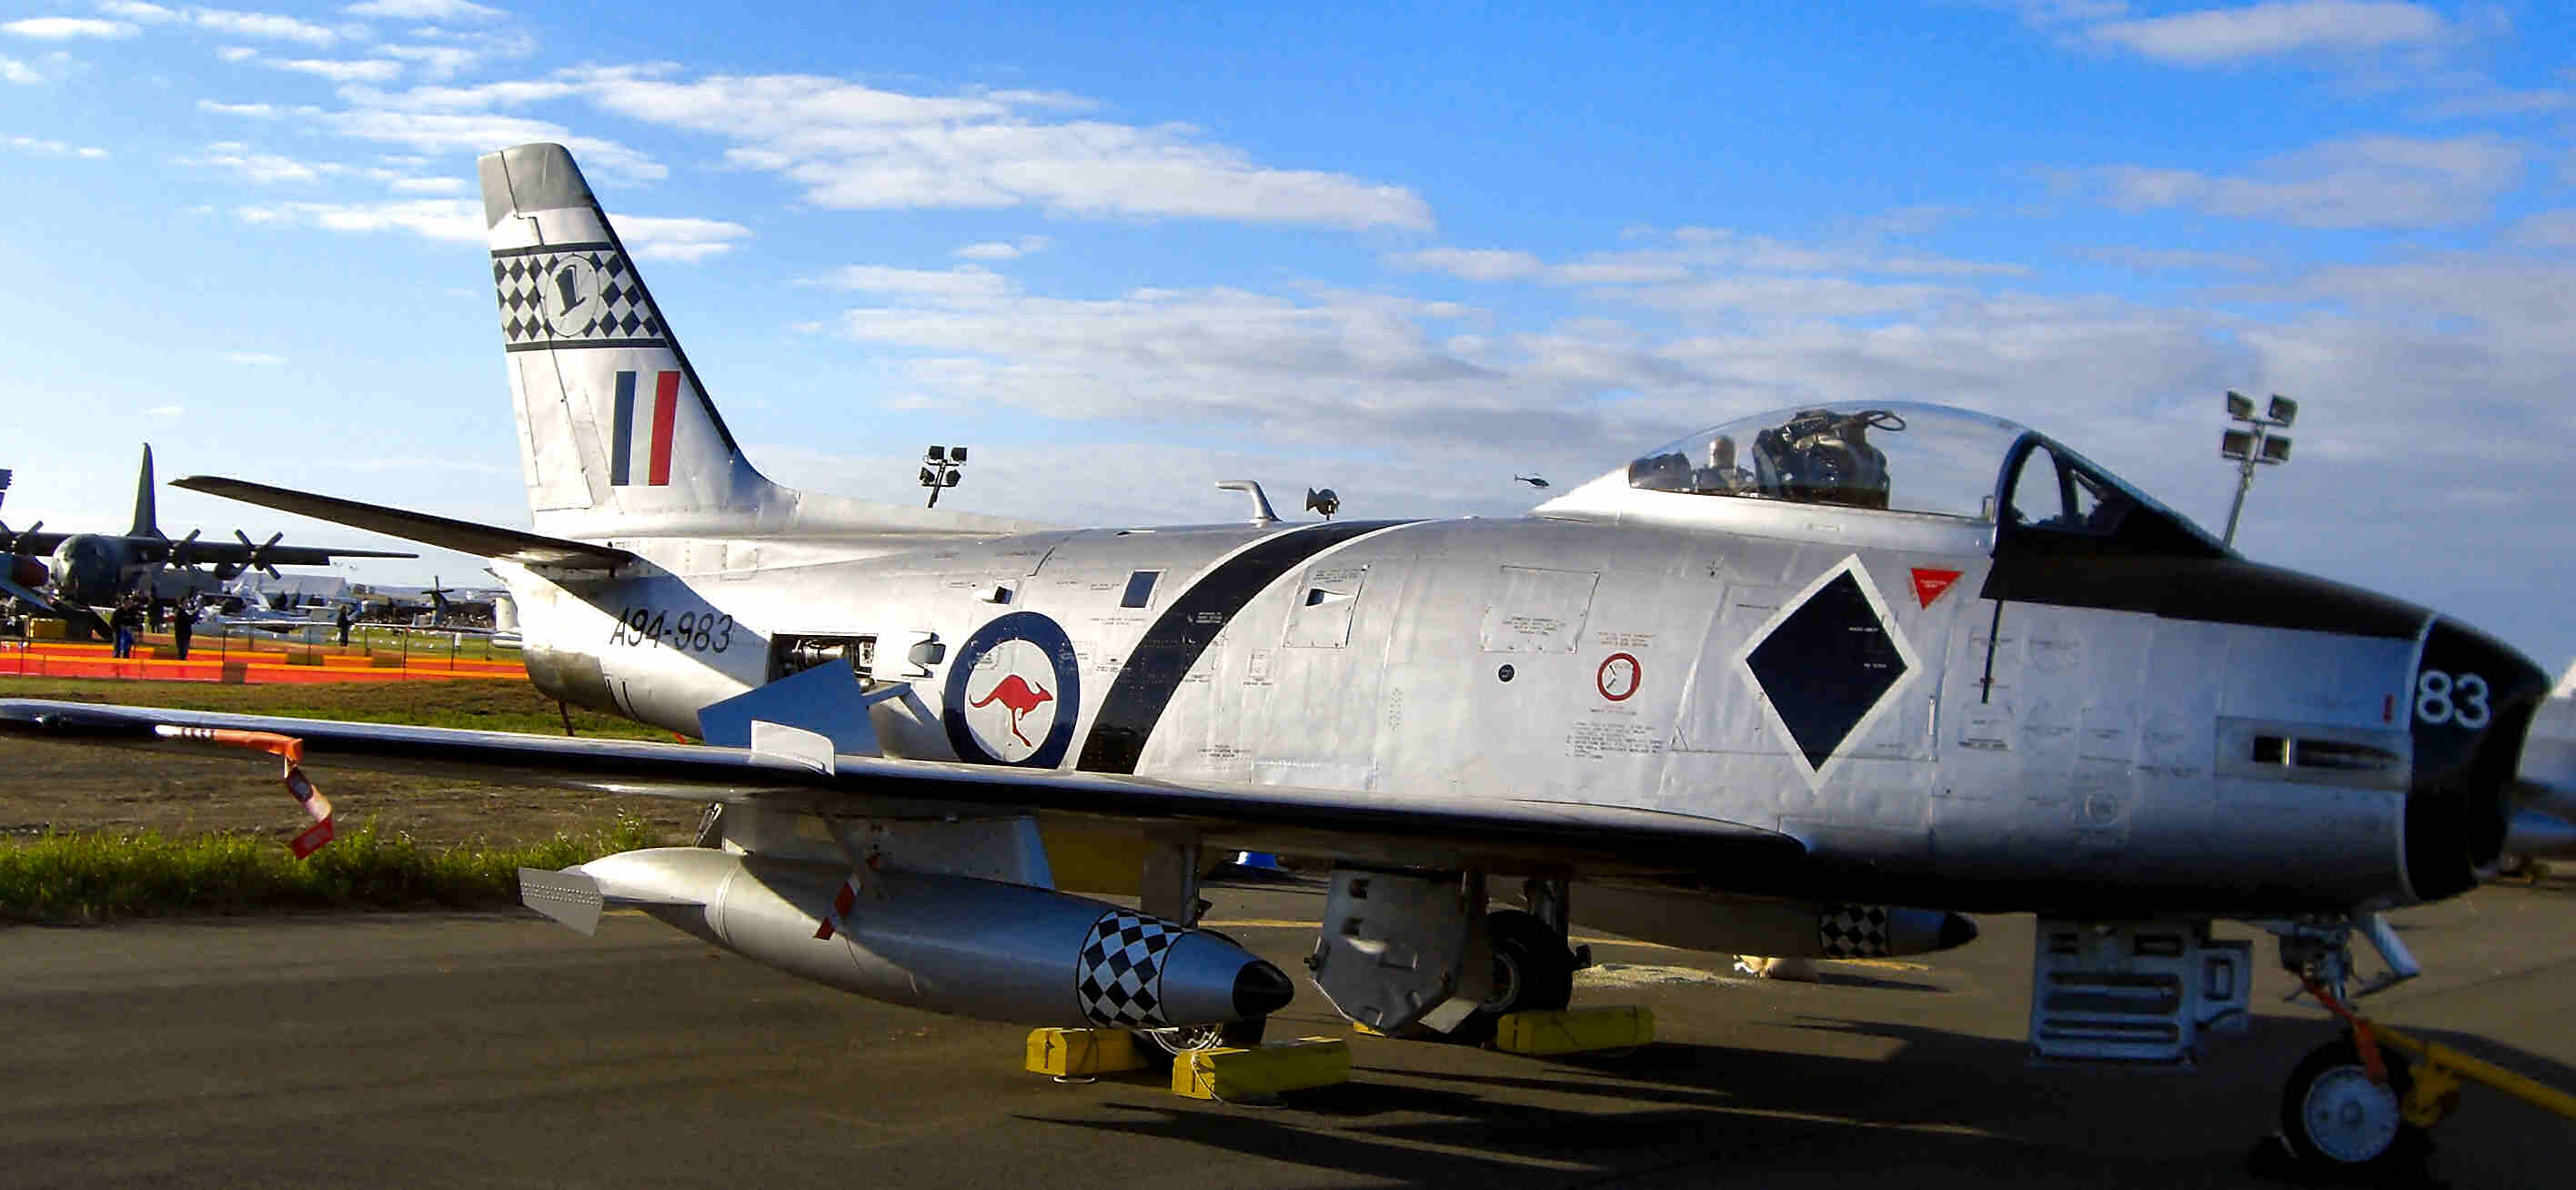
pixel 30 598
pixel 62 611
pixel 490 541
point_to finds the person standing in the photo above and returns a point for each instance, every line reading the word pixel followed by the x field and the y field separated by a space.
pixel 122 622
pixel 345 616
pixel 183 622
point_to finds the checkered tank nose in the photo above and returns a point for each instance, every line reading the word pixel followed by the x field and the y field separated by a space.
pixel 1119 975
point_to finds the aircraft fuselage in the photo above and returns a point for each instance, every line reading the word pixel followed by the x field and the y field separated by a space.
pixel 1925 739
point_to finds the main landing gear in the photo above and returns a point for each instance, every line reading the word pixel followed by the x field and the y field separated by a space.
pixel 1533 972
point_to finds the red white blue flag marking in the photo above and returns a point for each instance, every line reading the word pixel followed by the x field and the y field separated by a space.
pixel 621 452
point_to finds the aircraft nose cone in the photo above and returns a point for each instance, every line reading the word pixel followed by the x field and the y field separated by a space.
pixel 1957 929
pixel 1261 989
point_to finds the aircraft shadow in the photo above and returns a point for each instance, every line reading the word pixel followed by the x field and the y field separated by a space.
pixel 1940 1107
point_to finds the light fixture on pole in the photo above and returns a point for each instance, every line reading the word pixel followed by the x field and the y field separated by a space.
pixel 939 470
pixel 2254 440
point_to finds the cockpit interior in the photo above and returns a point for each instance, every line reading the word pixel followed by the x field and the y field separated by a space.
pixel 1923 459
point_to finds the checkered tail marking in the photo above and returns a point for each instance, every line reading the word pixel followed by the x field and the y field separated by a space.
pixel 1853 931
pixel 1119 978
pixel 579 295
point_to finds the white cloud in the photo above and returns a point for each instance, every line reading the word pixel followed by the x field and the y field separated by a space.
pixel 255 111
pixel 2499 102
pixel 364 70
pixel 857 147
pixel 16 71
pixel 263 25
pixel 436 61
pixel 936 284
pixel 235 53
pixel 427 185
pixel 1471 264
pixel 1004 250
pixel 2221 36
pixel 2157 260
pixel 652 237
pixel 479 132
pixel 137 11
pixel 1713 269
pixel 2549 229
pixel 52 148
pixel 423 10
pixel 2362 181
pixel 253 358
pixel 165 411
pixel 263 168
pixel 66 28
pixel 433 218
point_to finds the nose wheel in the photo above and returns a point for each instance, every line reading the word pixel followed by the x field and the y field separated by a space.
pixel 2337 1118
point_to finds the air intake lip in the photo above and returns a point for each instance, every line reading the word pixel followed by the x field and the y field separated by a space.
pixel 2472 702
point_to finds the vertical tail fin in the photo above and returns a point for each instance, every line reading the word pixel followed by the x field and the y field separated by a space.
pixel 616 436
pixel 147 519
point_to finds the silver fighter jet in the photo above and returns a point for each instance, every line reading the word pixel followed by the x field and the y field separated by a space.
pixel 1814 682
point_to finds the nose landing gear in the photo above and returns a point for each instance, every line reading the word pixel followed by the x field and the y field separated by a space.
pixel 2360 1109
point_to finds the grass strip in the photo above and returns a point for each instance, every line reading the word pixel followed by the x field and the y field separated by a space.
pixel 91 877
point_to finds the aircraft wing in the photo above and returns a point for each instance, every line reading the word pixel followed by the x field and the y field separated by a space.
pixel 236 553
pixel 1637 840
pixel 33 545
pixel 490 541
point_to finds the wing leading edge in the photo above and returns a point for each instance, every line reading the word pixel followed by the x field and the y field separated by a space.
pixel 1554 831
pixel 490 541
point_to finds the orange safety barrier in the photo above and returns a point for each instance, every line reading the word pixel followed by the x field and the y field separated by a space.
pixel 239 668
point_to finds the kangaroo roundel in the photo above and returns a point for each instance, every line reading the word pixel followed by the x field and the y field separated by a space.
pixel 1013 693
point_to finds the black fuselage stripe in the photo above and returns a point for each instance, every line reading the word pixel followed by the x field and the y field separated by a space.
pixel 1163 657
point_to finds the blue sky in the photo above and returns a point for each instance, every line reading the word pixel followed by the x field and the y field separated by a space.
pixel 1126 253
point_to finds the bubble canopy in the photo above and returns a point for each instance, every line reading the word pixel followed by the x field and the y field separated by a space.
pixel 1909 457
pixel 1895 455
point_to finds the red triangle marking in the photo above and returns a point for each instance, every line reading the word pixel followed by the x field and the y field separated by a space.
pixel 1929 584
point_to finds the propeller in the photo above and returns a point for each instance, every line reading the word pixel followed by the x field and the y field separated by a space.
pixel 1323 501
pixel 169 557
pixel 18 539
pixel 258 559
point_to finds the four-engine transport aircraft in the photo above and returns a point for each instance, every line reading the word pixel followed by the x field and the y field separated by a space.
pixel 82 571
pixel 1813 682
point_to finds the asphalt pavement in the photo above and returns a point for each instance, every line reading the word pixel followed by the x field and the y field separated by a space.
pixel 502 1050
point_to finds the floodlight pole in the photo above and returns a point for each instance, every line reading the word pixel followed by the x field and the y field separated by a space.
pixel 2244 484
pixel 2252 444
pixel 939 469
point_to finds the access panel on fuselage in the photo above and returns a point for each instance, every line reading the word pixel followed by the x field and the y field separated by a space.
pixel 1814 694
pixel 1542 661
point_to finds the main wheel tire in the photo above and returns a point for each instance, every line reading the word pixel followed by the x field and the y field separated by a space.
pixel 2335 1117
pixel 1230 1035
pixel 1533 968
pixel 1533 972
